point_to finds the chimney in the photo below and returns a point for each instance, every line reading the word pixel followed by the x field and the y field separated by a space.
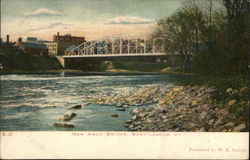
pixel 57 37
pixel 8 38
pixel 20 39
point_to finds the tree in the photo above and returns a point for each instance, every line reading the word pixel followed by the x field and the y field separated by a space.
pixel 182 31
pixel 237 33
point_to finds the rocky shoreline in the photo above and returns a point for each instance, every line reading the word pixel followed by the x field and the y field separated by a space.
pixel 186 108
pixel 172 108
pixel 137 97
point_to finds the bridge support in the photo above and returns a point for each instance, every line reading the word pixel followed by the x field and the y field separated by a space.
pixel 61 60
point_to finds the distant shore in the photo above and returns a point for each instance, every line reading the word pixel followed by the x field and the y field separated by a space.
pixel 106 72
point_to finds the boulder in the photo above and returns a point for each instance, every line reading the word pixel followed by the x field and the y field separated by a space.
pixel 135 111
pixel 229 90
pixel 120 109
pixel 239 128
pixel 63 125
pixel 68 116
pixel 128 121
pixel 229 125
pixel 193 103
pixel 243 90
pixel 114 115
pixel 223 111
pixel 149 120
pixel 203 115
pixel 75 107
pixel 201 130
pixel 218 122
pixel 134 117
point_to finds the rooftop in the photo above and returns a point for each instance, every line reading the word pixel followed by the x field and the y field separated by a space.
pixel 34 45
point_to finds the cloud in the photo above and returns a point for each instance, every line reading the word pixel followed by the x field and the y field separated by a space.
pixel 43 12
pixel 53 25
pixel 127 20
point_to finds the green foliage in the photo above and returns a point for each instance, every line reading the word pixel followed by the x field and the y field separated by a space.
pixel 214 42
pixel 26 62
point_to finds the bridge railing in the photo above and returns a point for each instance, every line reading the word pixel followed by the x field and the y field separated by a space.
pixel 119 46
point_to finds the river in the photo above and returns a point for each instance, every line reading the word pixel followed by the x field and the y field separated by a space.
pixel 34 102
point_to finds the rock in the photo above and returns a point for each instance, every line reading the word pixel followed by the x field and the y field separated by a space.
pixel 239 128
pixel 65 119
pixel 63 125
pixel 135 111
pixel 223 111
pixel 194 102
pixel 152 114
pixel 68 116
pixel 120 109
pixel 231 116
pixel 229 125
pixel 235 91
pixel 134 117
pixel 229 90
pixel 119 104
pixel 163 117
pixel 203 115
pixel 232 102
pixel 137 123
pixel 149 120
pixel 177 88
pixel 131 126
pixel 114 115
pixel 201 130
pixel 205 106
pixel 128 121
pixel 243 90
pixel 218 122
pixel 75 107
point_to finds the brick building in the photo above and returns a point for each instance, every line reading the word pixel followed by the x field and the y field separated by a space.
pixel 65 41
pixel 32 48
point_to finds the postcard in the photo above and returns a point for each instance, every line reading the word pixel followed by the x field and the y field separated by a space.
pixel 124 79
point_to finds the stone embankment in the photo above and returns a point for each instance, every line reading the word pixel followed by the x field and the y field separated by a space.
pixel 186 108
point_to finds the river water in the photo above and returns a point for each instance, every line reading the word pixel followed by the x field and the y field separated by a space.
pixel 34 102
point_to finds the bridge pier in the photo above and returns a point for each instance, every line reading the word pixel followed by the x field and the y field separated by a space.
pixel 61 60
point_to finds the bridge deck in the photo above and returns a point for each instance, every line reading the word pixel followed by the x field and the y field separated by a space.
pixel 117 55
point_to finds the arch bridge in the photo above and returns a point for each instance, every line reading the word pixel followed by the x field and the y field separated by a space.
pixel 118 48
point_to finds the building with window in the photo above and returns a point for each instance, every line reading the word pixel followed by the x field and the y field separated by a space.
pixel 52 47
pixel 32 48
pixel 65 41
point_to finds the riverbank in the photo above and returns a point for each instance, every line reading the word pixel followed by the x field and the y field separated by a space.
pixel 192 108
pixel 183 107
pixel 26 63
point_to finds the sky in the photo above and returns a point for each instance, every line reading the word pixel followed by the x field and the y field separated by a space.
pixel 93 19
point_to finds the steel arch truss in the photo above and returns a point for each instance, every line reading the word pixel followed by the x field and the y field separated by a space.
pixel 119 46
